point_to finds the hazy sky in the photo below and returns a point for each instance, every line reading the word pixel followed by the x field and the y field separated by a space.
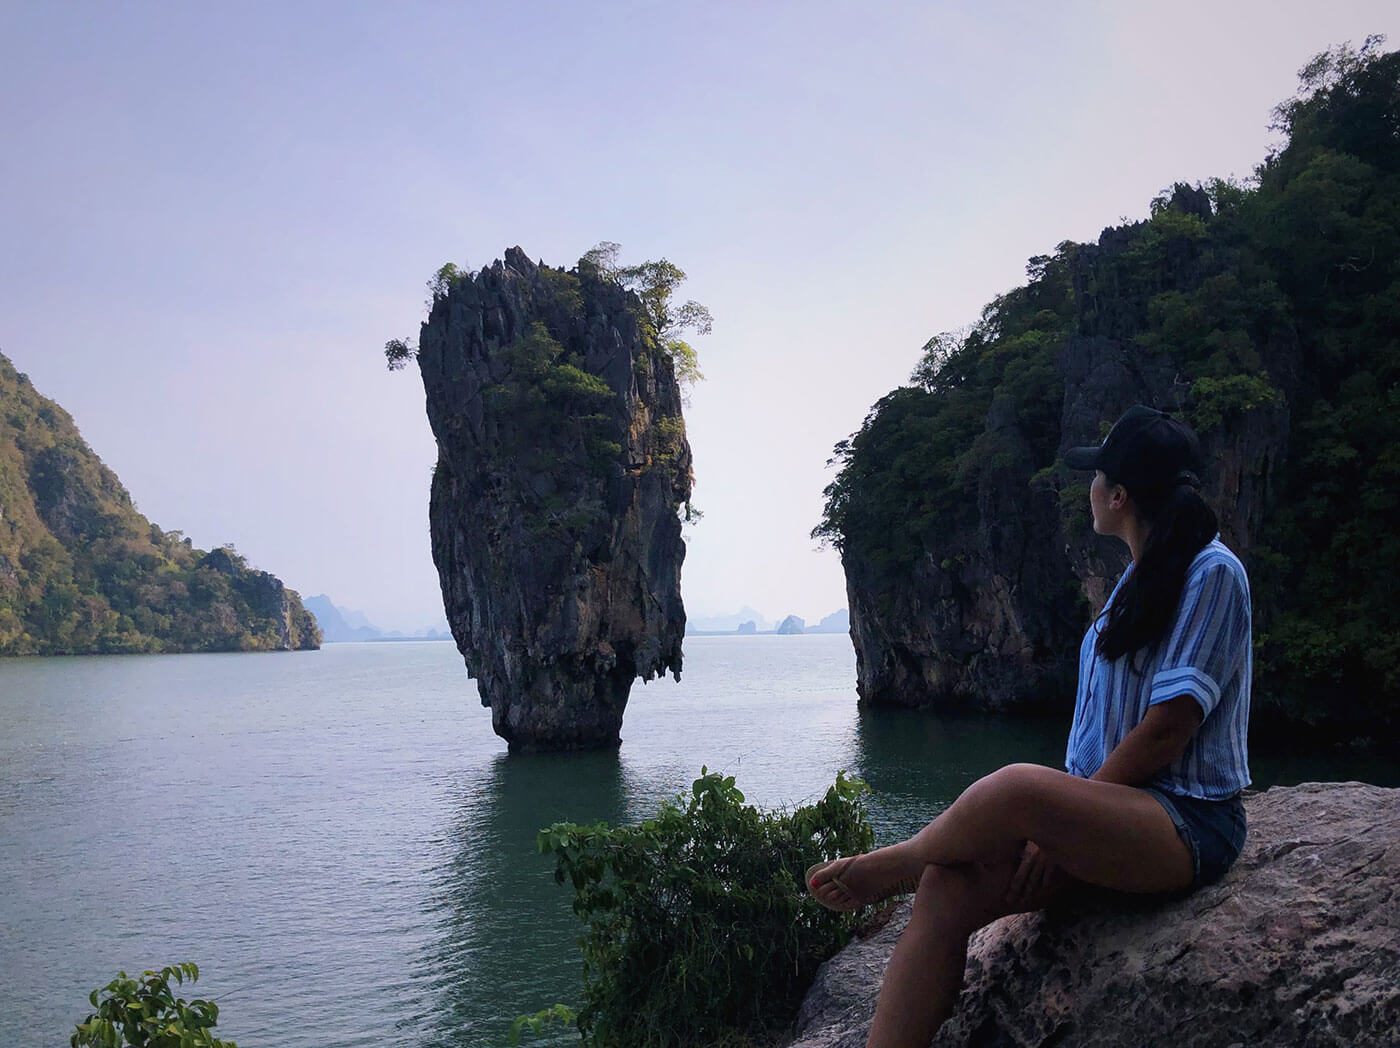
pixel 212 216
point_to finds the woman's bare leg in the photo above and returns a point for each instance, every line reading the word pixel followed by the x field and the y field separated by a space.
pixel 1109 835
pixel 1101 833
pixel 925 972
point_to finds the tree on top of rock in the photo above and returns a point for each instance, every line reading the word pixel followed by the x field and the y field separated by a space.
pixel 655 283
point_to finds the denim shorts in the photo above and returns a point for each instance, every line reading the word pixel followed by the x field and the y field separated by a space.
pixel 1213 830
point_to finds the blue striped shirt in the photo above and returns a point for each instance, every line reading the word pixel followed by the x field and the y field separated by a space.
pixel 1206 653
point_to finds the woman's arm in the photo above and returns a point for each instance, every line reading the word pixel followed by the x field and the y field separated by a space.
pixel 1159 739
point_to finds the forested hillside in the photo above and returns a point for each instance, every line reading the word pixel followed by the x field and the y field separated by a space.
pixel 1267 313
pixel 82 571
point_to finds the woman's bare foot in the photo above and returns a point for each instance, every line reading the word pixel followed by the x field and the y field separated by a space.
pixel 854 881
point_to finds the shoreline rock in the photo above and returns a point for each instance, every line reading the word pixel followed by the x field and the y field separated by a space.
pixel 1299 944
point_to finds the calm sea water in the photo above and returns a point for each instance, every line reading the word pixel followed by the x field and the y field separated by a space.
pixel 341 843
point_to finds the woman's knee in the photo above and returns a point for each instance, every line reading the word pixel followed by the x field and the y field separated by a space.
pixel 1011 788
pixel 954 898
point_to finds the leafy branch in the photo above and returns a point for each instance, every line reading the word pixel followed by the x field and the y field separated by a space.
pixel 145 1013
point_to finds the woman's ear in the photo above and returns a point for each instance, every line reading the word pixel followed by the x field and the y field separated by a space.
pixel 1117 496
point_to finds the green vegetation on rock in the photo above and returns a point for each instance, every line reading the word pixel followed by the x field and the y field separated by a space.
pixel 1268 313
pixel 655 283
pixel 700 930
pixel 551 415
pixel 544 390
pixel 82 571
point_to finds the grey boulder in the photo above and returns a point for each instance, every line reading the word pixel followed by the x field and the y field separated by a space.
pixel 1299 945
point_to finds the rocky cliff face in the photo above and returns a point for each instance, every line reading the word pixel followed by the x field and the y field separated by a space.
pixel 990 615
pixel 987 620
pixel 562 464
pixel 1263 314
pixel 1297 945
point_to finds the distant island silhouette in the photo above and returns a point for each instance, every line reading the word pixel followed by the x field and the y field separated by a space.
pixel 747 622
pixel 342 625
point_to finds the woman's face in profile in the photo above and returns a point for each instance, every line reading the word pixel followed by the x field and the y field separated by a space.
pixel 1103 513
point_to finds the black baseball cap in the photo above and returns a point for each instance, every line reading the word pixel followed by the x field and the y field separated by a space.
pixel 1146 448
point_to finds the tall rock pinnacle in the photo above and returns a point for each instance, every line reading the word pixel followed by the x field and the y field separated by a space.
pixel 562 466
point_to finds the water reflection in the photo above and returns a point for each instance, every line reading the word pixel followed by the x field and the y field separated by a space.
pixel 916 763
pixel 1273 766
pixel 506 936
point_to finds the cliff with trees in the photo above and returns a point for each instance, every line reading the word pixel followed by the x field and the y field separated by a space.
pixel 1265 312
pixel 83 572
pixel 563 472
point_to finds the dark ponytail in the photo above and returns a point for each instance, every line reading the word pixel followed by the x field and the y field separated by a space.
pixel 1181 526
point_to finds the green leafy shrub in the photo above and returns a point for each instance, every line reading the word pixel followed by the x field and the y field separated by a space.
pixel 539 1022
pixel 145 1013
pixel 546 391
pixel 700 930
pixel 1216 401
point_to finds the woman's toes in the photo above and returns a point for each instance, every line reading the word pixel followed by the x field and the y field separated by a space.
pixel 826 874
pixel 825 884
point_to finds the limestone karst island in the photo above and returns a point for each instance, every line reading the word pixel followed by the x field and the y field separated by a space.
pixel 562 472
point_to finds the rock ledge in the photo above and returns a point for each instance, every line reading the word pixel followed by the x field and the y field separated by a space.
pixel 1299 945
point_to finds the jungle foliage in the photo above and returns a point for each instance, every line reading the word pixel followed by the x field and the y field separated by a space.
pixel 699 928
pixel 82 571
pixel 1280 290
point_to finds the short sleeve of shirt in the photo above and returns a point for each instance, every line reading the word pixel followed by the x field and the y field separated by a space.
pixel 1210 638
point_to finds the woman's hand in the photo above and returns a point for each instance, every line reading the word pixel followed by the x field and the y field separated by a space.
pixel 1034 876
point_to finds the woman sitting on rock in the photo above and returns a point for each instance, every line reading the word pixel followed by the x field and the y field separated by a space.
pixel 1156 758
